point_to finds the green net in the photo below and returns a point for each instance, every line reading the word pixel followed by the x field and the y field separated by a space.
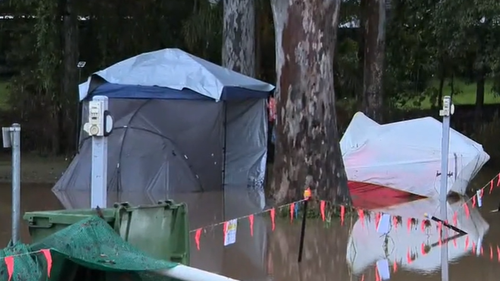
pixel 88 248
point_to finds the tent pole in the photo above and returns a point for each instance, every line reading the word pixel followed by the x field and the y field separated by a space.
pixel 446 112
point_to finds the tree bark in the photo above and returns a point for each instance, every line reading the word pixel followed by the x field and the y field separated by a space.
pixel 69 87
pixel 307 147
pixel 238 39
pixel 374 18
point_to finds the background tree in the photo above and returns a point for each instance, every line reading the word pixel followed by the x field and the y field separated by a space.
pixel 238 36
pixel 373 22
pixel 307 148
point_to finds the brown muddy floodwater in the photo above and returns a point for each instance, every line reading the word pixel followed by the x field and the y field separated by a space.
pixel 331 251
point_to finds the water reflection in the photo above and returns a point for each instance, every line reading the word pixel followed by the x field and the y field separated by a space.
pixel 272 255
pixel 413 243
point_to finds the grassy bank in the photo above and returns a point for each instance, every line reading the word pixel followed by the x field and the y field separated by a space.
pixel 465 94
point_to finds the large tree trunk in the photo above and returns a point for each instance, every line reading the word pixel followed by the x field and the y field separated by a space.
pixel 238 45
pixel 69 87
pixel 374 19
pixel 307 148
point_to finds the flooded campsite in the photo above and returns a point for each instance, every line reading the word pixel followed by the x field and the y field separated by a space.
pixel 333 250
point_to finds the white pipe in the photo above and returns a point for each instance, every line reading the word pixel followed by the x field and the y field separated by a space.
pixel 187 273
pixel 15 131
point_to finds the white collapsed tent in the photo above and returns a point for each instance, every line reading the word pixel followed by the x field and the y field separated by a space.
pixel 181 124
pixel 416 248
pixel 406 155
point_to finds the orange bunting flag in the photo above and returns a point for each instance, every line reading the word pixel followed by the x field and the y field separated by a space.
pixel 48 258
pixel 9 262
pixel 473 201
pixel 197 236
pixel 250 220
pixel 466 209
pixel 491 186
pixel 395 267
pixel 422 249
pixel 292 211
pixel 473 247
pixel 455 218
pixel 361 215
pixel 273 214
pixel 498 181
pixel 378 216
pixel 395 222
pixel 422 226
pixel 408 256
pixel 491 252
pixel 455 242
pixel 408 224
pixel 322 209
pixel 377 276
pixel 467 242
pixel 342 214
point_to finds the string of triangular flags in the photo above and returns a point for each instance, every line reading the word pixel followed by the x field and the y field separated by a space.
pixel 10 261
pixel 230 227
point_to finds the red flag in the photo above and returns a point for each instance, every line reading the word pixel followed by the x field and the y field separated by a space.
pixel 491 252
pixel 48 258
pixel 226 226
pixel 395 222
pixel 395 267
pixel 498 181
pixel 422 226
pixel 378 216
pixel 467 242
pixel 482 192
pixel 408 224
pixel 292 211
pixel 473 247
pixel 498 253
pixel 473 201
pixel 466 209
pixel 273 213
pixel 361 215
pixel 491 186
pixel 342 214
pixel 422 249
pixel 197 236
pixel 455 242
pixel 250 219
pixel 455 218
pixel 322 209
pixel 377 276
pixel 408 256
pixel 9 262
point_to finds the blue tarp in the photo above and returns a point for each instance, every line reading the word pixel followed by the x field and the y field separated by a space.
pixel 153 92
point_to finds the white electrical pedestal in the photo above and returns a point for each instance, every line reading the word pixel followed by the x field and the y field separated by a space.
pixel 446 112
pixel 99 126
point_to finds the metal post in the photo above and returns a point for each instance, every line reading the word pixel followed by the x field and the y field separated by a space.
pixel 99 182
pixel 12 138
pixel 446 112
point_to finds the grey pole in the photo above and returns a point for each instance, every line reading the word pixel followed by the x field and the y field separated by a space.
pixel 12 138
pixel 446 112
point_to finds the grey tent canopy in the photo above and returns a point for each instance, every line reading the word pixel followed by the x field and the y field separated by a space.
pixel 181 124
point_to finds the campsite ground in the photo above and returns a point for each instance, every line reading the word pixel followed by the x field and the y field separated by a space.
pixel 34 169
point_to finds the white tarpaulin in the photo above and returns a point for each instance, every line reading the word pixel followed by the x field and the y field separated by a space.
pixel 406 155
pixel 416 247
pixel 176 69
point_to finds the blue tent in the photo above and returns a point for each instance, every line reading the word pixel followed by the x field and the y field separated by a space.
pixel 181 124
